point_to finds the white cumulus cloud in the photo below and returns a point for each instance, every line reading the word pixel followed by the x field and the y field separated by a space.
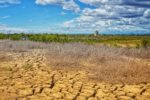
pixel 8 29
pixel 6 3
pixel 113 15
pixel 66 4
pixel 9 1
pixel 147 13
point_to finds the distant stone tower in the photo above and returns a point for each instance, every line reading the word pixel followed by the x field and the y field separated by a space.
pixel 24 37
pixel 96 33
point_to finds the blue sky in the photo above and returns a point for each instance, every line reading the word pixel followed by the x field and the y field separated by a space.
pixel 75 16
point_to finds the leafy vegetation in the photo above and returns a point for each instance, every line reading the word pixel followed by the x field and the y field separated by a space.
pixel 144 43
pixel 113 40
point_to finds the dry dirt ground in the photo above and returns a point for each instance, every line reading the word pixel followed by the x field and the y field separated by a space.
pixel 26 76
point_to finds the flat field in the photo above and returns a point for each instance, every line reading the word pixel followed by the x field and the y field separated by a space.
pixel 57 70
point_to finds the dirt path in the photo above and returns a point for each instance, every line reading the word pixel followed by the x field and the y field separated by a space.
pixel 28 78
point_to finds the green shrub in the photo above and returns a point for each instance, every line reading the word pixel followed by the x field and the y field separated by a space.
pixel 2 36
pixel 144 43
pixel 137 45
pixel 15 36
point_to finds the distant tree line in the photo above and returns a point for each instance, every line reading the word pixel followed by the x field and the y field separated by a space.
pixel 140 40
pixel 62 38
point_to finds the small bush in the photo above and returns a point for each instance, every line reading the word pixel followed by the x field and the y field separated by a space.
pixel 137 45
pixel 144 43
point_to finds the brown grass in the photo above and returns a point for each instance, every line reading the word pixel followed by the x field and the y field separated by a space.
pixel 4 57
pixel 113 65
pixel 108 64
pixel 20 46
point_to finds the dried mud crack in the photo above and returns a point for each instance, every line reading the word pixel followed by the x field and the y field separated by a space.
pixel 29 78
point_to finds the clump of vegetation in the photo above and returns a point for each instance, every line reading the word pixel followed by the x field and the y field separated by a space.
pixel 3 36
pixel 138 45
pixel 144 43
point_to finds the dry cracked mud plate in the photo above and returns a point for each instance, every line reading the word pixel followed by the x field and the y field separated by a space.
pixel 28 78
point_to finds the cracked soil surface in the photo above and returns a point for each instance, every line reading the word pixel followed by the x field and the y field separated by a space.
pixel 27 77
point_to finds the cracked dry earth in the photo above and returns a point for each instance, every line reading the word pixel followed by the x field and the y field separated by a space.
pixel 28 78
